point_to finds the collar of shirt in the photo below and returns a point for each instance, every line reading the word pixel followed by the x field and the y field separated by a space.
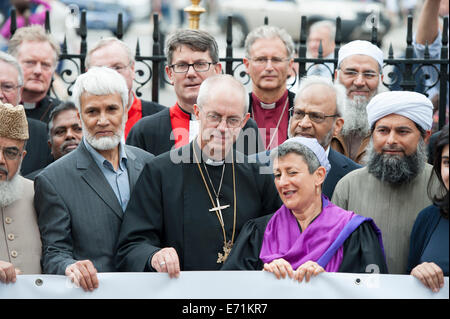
pixel 103 162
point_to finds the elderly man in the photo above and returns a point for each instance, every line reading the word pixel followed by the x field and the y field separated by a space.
pixel 191 203
pixel 321 33
pixel 359 69
pixel 192 57
pixel 116 54
pixel 81 198
pixel 11 83
pixel 392 188
pixel 64 132
pixel 37 53
pixel 317 113
pixel 20 243
pixel 269 57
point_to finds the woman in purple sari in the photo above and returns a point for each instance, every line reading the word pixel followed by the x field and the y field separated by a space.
pixel 308 234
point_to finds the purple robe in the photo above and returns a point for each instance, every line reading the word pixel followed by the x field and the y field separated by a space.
pixel 322 241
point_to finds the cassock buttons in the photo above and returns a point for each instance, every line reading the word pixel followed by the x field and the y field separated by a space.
pixel 14 254
pixel 8 220
pixel 11 236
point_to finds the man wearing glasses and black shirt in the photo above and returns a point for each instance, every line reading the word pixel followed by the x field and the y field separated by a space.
pixel 192 57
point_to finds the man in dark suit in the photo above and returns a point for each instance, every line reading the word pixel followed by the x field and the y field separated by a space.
pixel 116 54
pixel 317 113
pixel 80 199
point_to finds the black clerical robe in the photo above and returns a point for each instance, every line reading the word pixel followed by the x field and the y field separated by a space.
pixel 170 208
pixel 361 249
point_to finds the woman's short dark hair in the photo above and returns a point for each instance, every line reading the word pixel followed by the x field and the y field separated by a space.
pixel 441 198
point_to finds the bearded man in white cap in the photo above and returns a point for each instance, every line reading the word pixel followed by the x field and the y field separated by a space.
pixel 360 66
pixel 20 242
pixel 392 188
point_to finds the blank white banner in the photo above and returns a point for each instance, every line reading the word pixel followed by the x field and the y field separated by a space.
pixel 223 285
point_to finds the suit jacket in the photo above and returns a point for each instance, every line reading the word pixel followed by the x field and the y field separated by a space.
pixel 38 153
pixel 153 134
pixel 79 215
pixel 340 166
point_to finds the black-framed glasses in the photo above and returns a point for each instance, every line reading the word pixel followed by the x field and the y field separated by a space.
pixel 184 67
pixel 11 153
pixel 316 117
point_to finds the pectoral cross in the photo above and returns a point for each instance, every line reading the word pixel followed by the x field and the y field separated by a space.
pixel 218 209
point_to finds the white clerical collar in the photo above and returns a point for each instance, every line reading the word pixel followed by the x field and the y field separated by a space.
pixel 29 106
pixel 269 106
pixel 213 162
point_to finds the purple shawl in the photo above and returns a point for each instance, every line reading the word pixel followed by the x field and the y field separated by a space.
pixel 283 239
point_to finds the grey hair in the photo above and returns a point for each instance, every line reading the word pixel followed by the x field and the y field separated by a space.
pixel 208 87
pixel 324 24
pixel 338 89
pixel 269 32
pixel 9 59
pixel 196 40
pixel 105 42
pixel 308 155
pixel 99 81
pixel 32 33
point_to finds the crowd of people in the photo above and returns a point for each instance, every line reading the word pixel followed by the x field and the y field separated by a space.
pixel 334 177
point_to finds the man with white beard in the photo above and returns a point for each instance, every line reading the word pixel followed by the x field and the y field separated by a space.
pixel 360 66
pixel 20 243
pixel 81 198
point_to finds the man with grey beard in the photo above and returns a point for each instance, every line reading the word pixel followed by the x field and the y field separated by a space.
pixel 392 188
pixel 20 243
pixel 81 198
pixel 359 70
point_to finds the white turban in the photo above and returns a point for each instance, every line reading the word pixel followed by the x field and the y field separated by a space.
pixel 415 106
pixel 361 47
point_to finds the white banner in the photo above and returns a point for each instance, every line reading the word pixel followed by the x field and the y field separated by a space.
pixel 224 285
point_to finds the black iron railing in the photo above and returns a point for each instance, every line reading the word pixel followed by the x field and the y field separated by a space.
pixel 405 73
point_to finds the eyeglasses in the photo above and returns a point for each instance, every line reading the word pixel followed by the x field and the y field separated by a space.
pixel 11 153
pixel 8 87
pixel 215 119
pixel 184 67
pixel 263 60
pixel 369 75
pixel 316 117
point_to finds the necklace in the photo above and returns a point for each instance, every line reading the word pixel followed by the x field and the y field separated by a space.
pixel 278 124
pixel 227 245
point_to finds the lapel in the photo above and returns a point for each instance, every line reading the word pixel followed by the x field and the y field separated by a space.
pixel 94 177
pixel 134 167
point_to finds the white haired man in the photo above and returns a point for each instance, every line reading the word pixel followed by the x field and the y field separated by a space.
pixel 190 203
pixel 392 188
pixel 87 205
pixel 116 54
pixel 20 242
pixel 360 66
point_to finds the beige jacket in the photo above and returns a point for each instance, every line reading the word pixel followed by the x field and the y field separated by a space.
pixel 20 241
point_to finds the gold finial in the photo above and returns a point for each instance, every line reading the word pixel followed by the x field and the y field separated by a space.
pixel 194 14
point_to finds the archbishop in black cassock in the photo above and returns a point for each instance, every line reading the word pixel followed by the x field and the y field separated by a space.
pixel 170 208
pixel 188 207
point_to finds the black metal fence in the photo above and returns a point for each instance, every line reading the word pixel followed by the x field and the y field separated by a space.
pixel 405 73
